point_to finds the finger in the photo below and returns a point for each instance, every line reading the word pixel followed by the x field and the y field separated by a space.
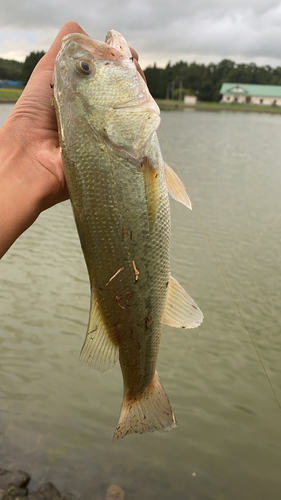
pixel 134 54
pixel 69 27
pixel 47 62
pixel 140 70
pixel 136 58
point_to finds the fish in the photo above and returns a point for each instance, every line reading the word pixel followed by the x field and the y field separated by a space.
pixel 119 187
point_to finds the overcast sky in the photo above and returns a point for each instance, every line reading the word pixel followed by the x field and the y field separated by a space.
pixel 160 30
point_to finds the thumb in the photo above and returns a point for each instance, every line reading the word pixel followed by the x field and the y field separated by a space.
pixel 48 60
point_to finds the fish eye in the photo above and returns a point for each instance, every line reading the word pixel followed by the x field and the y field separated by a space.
pixel 83 68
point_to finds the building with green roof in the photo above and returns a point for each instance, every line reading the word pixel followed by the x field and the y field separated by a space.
pixel 248 93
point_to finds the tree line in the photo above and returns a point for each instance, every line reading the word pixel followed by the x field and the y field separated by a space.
pixel 205 81
pixel 19 71
pixel 173 81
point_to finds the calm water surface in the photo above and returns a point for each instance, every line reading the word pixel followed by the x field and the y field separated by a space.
pixel 57 417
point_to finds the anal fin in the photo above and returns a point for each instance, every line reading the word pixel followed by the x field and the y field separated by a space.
pixel 181 311
pixel 98 350
pixel 176 187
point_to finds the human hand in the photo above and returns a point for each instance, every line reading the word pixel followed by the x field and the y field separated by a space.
pixel 33 128
pixel 35 122
pixel 31 170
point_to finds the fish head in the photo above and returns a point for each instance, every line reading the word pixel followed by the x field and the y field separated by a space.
pixel 99 82
pixel 103 72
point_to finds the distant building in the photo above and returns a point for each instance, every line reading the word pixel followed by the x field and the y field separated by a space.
pixel 10 84
pixel 248 93
pixel 190 99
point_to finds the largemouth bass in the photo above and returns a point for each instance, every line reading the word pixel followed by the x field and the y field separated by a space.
pixel 118 185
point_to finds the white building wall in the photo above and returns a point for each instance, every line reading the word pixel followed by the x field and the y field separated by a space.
pixel 228 98
pixel 190 99
pixel 266 101
pixel 241 99
pixel 261 100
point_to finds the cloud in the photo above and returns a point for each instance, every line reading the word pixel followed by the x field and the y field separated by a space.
pixel 16 44
pixel 160 30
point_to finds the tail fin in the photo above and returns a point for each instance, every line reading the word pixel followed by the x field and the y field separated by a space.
pixel 151 412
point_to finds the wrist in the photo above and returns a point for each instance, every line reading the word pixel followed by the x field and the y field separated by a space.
pixel 22 189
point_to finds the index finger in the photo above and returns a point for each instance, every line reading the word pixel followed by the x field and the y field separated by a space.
pixel 47 62
pixel 136 58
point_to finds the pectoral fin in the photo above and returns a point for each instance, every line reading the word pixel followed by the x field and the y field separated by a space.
pixel 181 310
pixel 151 183
pixel 176 187
pixel 98 350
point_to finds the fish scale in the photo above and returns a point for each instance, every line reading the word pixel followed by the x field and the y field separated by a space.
pixel 102 241
pixel 118 185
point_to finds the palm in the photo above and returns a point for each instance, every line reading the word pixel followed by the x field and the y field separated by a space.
pixel 36 119
pixel 36 123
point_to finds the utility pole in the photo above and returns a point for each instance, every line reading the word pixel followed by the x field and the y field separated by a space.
pixel 180 91
pixel 172 90
pixel 167 92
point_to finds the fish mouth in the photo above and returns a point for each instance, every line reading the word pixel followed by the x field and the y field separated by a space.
pixel 99 51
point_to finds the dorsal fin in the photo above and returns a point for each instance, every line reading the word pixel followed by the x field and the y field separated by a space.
pixel 181 310
pixel 176 187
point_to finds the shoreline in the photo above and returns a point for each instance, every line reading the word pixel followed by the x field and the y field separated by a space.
pixel 208 106
pixel 14 484
pixel 171 105
pixel 8 101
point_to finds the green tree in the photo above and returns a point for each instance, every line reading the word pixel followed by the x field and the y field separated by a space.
pixel 10 70
pixel 154 80
pixel 182 92
pixel 205 81
pixel 29 64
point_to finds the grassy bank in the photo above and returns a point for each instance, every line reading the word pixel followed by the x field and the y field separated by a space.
pixel 9 95
pixel 216 106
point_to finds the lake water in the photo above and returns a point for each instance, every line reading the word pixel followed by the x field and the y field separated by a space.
pixel 57 417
